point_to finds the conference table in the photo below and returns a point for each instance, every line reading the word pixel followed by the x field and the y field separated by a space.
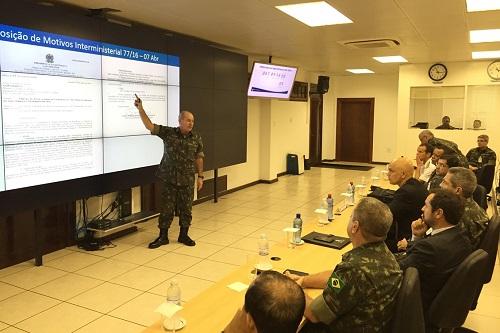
pixel 213 309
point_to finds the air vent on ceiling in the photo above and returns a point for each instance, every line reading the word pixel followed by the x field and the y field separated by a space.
pixel 370 43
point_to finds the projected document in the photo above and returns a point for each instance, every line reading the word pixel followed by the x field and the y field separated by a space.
pixel 2 176
pixel 24 58
pixel 120 117
pixel 42 108
pixel 173 106
pixel 132 152
pixel 173 70
pixel 41 163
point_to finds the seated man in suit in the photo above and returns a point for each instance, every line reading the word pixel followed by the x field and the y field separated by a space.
pixel 359 295
pixel 444 164
pixel 407 202
pixel 474 221
pixel 436 256
pixel 481 155
pixel 449 147
pixel 273 303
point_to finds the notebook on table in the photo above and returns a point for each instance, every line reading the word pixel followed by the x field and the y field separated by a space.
pixel 328 240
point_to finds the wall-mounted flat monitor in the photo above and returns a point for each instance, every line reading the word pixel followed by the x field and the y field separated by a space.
pixel 271 81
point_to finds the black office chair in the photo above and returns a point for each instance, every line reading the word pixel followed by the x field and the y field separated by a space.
pixel 408 315
pixel 489 243
pixel 485 177
pixel 451 306
pixel 479 197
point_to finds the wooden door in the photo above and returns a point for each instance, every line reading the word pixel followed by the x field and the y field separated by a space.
pixel 315 128
pixel 354 129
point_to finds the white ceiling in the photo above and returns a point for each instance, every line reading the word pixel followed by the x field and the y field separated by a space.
pixel 428 30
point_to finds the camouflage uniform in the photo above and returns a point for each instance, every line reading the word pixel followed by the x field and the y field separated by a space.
pixel 177 171
pixel 361 292
pixel 480 157
pixel 434 182
pixel 450 147
pixel 473 222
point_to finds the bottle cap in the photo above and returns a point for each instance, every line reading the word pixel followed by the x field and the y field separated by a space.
pixel 173 282
pixel 297 215
pixel 329 195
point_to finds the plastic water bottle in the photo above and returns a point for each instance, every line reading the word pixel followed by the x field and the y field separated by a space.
pixel 297 223
pixel 329 207
pixel 174 293
pixel 263 246
pixel 353 191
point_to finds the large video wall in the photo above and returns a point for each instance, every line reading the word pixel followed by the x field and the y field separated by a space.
pixel 67 106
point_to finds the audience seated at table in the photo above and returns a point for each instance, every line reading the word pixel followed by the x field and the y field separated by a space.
pixel 273 303
pixel 359 295
pixel 425 167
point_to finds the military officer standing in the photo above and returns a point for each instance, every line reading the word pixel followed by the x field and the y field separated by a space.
pixel 182 158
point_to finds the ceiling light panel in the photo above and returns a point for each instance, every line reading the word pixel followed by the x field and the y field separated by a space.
pixel 360 71
pixel 482 5
pixel 390 59
pixel 484 36
pixel 486 54
pixel 315 14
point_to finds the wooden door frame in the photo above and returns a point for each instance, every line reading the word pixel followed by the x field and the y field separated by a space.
pixel 338 136
pixel 319 127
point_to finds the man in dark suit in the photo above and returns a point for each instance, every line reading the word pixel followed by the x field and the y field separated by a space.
pixel 407 202
pixel 438 254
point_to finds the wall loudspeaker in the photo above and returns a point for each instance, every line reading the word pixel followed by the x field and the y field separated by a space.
pixel 323 84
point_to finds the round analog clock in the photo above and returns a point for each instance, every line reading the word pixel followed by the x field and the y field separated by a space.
pixel 438 72
pixel 494 70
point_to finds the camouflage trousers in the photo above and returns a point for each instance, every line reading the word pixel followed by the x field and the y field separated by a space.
pixel 176 200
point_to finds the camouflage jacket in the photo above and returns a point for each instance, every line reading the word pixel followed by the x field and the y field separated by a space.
pixel 434 182
pixel 179 153
pixel 480 158
pixel 361 292
pixel 450 147
pixel 474 222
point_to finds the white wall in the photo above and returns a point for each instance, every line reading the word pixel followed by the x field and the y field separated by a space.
pixel 384 88
pixel 459 73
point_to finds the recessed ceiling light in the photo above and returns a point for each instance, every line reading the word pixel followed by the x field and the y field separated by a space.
pixel 360 71
pixel 389 59
pixel 486 54
pixel 315 14
pixel 482 5
pixel 484 36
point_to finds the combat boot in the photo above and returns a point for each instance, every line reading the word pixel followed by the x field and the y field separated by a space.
pixel 184 238
pixel 161 240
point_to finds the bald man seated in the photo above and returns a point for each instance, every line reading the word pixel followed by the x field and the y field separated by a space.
pixel 407 203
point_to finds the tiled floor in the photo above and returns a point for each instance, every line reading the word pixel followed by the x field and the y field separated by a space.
pixel 117 289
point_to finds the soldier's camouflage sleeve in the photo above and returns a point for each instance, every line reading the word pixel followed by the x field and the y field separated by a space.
pixel 474 222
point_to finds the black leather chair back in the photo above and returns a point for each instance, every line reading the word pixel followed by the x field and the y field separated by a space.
pixel 451 306
pixel 489 243
pixel 485 177
pixel 479 197
pixel 408 315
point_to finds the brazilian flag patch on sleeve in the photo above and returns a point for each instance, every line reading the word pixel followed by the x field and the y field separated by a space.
pixel 336 283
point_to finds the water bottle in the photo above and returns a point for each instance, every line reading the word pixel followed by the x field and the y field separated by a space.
pixel 297 223
pixel 174 293
pixel 349 191
pixel 329 209
pixel 263 245
pixel 353 190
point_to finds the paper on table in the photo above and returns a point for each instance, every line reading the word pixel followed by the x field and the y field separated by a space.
pixel 168 309
pixel 320 211
pixel 238 286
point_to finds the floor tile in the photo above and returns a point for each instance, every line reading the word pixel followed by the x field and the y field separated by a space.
pixel 106 269
pixel 22 306
pixel 190 287
pixel 7 290
pixel 196 233
pixel 138 238
pixel 33 277
pixel 488 305
pixel 482 324
pixel 16 268
pixel 67 286
pixel 109 251
pixel 249 244
pixel 201 250
pixel 210 270
pixel 254 221
pixel 244 211
pixel 239 229
pixel 105 297
pixel 74 261
pixel 211 225
pixel 220 238
pixel 3 326
pixel 173 262
pixel 56 254
pixel 227 217
pixel 142 278
pixel 140 310
pixel 139 255
pixel 110 324
pixel 13 329
pixel 50 321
